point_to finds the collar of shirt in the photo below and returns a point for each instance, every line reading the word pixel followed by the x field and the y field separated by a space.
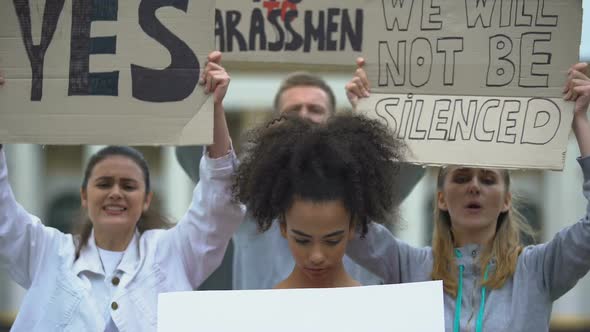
pixel 89 260
pixel 469 258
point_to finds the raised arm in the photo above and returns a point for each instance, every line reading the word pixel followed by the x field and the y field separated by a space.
pixel 216 81
pixel 578 89
pixel 24 240
pixel 389 258
pixel 561 262
pixel 202 235
pixel 380 252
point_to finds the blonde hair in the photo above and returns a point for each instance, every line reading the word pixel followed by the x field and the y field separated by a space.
pixel 505 249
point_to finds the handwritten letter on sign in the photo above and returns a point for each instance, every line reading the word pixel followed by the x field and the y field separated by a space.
pixel 474 82
pixel 105 72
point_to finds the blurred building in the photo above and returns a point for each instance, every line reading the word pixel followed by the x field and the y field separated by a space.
pixel 46 181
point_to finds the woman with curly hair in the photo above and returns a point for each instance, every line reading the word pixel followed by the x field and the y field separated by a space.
pixel 323 183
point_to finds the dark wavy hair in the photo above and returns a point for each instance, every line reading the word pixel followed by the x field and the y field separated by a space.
pixel 349 158
pixel 150 219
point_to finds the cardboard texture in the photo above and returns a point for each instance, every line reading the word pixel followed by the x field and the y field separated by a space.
pixel 291 31
pixel 477 52
pixel 105 72
pixel 429 55
pixel 504 132
pixel 515 48
pixel 398 307
pixel 488 54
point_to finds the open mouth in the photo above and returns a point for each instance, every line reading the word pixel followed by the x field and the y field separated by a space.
pixel 474 206
pixel 114 209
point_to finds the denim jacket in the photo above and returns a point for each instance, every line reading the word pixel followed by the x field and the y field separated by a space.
pixel 58 298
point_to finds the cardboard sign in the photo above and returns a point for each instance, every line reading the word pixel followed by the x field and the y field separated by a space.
pixel 290 31
pixel 503 132
pixel 384 308
pixel 430 62
pixel 105 72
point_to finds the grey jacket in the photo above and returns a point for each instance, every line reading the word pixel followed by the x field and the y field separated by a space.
pixel 544 273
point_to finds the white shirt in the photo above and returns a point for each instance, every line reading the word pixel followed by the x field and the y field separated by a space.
pixel 60 294
pixel 105 283
pixel 109 259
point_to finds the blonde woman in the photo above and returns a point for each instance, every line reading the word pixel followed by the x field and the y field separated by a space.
pixel 491 282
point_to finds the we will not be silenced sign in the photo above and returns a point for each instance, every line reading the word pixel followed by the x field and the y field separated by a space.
pixel 105 71
pixel 475 82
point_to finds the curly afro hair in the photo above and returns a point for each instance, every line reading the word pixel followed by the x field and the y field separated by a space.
pixel 349 158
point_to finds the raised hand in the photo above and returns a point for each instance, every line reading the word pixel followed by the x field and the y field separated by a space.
pixel 214 77
pixel 358 87
pixel 577 87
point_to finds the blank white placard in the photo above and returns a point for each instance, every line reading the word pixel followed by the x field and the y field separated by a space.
pixel 407 307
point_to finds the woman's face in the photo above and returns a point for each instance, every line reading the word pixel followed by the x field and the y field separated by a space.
pixel 317 233
pixel 115 195
pixel 474 198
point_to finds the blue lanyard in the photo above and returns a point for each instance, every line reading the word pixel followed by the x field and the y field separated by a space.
pixel 458 300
